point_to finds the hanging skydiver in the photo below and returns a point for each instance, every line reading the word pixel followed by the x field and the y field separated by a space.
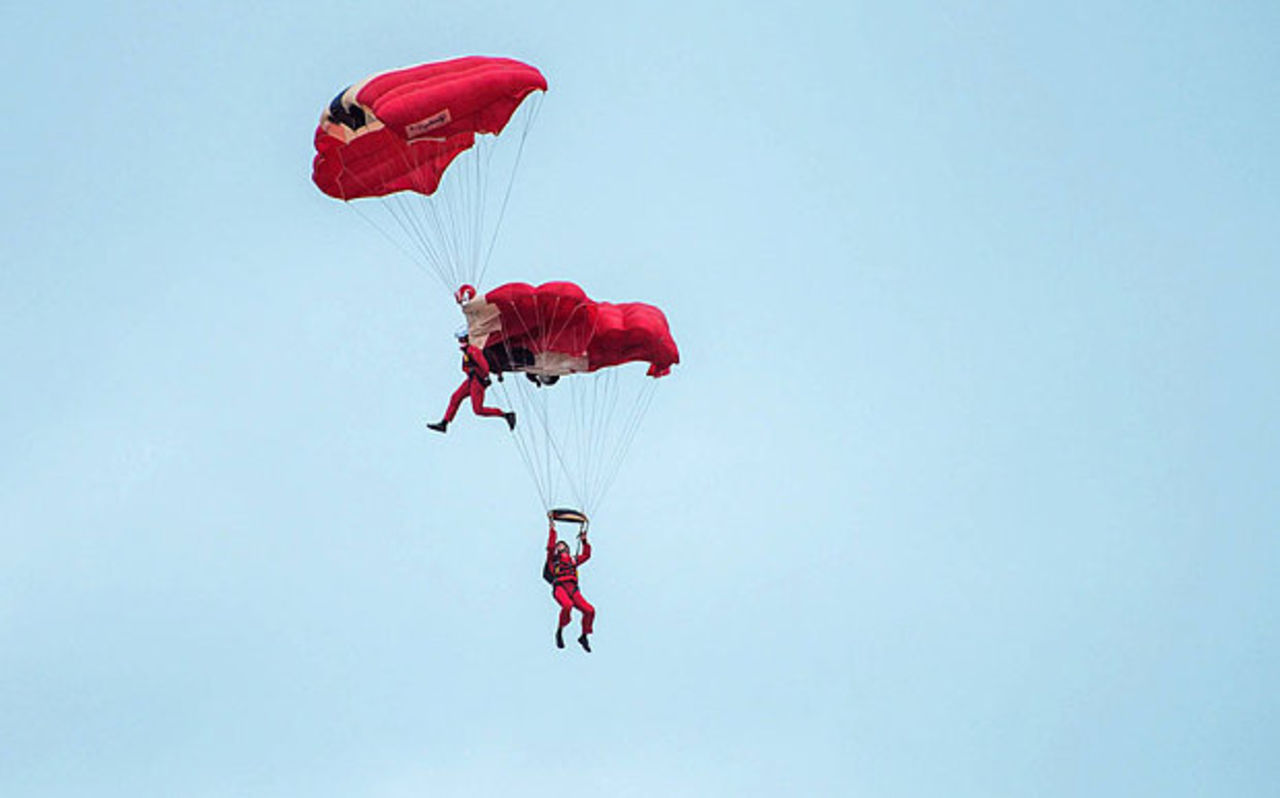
pixel 561 570
pixel 476 368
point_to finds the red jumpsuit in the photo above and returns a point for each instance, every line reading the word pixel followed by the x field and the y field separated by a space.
pixel 564 570
pixel 477 371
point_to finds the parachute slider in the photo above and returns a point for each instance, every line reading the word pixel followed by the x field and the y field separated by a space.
pixel 568 515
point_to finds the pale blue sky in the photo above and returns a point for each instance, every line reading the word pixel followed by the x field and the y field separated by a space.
pixel 966 485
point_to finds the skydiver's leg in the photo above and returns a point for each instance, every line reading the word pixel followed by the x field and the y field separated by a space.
pixel 477 401
pixel 565 601
pixel 455 401
pixel 477 405
pixel 566 604
pixel 588 612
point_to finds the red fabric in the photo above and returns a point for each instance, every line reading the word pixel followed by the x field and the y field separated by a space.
pixel 474 362
pixel 364 166
pixel 568 596
pixel 473 387
pixel 560 317
pixel 430 113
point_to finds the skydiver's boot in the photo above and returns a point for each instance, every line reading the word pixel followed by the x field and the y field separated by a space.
pixel 560 637
pixel 582 641
pixel 439 426
pixel 511 420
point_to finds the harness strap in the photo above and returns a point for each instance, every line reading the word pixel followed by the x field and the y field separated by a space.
pixel 567 584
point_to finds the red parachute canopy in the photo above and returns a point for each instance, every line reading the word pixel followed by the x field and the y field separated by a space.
pixel 556 329
pixel 399 130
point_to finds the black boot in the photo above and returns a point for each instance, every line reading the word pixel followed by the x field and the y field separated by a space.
pixel 511 420
pixel 439 426
pixel 582 641
pixel 560 637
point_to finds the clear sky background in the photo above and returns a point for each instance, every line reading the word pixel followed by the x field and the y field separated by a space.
pixel 966 485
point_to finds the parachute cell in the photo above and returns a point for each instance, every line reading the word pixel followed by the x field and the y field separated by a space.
pixel 556 329
pixel 399 130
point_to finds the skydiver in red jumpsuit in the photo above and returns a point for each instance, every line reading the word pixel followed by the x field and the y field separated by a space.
pixel 476 368
pixel 562 571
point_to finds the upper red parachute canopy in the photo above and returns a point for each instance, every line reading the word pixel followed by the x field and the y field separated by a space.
pixel 399 130
pixel 556 329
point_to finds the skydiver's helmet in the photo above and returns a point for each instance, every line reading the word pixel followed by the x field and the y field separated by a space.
pixel 562 547
pixel 464 294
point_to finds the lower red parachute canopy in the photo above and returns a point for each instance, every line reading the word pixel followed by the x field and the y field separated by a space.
pixel 556 329
pixel 400 130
